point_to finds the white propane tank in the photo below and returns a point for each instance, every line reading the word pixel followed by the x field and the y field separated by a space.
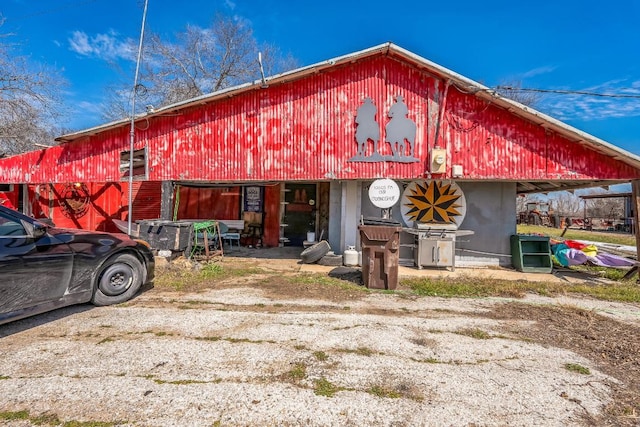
pixel 350 256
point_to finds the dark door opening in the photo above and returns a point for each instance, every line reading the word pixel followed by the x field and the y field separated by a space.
pixel 300 212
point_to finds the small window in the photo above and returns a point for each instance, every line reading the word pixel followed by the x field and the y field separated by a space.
pixel 6 187
pixel 139 163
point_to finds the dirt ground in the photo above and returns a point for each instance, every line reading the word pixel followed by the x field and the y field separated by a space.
pixel 612 345
pixel 607 335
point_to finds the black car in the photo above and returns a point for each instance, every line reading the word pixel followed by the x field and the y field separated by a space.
pixel 43 267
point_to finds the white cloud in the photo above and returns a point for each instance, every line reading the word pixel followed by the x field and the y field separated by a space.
pixel 102 46
pixel 538 71
pixel 588 107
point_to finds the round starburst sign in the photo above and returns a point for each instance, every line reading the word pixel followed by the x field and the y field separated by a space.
pixel 440 203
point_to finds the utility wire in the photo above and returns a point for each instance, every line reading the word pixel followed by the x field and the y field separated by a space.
pixel 568 92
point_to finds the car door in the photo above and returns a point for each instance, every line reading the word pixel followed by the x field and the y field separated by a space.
pixel 33 270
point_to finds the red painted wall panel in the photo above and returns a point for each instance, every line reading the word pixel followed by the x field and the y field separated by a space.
pixel 209 203
pixel 304 130
pixel 94 205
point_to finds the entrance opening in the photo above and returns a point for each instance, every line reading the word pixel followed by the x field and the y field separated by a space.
pixel 300 212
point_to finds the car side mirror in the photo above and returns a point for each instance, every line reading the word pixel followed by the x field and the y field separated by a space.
pixel 39 231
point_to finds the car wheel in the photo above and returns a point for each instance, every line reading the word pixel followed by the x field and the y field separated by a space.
pixel 331 260
pixel 315 252
pixel 118 280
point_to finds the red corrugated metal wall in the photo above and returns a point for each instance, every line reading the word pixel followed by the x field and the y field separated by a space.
pixel 491 143
pixel 304 130
pixel 209 203
pixel 93 206
pixel 10 198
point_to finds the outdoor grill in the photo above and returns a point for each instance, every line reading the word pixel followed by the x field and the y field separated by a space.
pixel 435 245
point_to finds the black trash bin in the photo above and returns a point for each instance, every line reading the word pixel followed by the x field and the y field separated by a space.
pixel 380 255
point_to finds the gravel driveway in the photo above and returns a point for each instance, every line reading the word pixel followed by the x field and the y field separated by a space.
pixel 240 357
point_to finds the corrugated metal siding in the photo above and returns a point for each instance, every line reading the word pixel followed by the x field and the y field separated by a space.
pixel 305 130
pixel 146 200
pixel 491 143
pixel 106 202
pixel 209 203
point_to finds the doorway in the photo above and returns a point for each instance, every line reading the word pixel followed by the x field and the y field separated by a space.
pixel 300 212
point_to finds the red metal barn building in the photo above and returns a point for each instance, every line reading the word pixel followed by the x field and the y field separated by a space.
pixel 298 152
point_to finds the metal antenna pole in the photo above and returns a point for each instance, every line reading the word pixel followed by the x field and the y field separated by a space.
pixel 132 132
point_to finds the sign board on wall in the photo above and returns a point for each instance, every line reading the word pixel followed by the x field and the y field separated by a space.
pixel 384 193
pixel 253 197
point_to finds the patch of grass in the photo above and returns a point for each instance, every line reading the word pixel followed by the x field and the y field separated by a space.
pixel 3 377
pixel 324 387
pixel 211 270
pixel 89 424
pixel 297 373
pixel 615 274
pixel 468 287
pixel 321 356
pixel 208 338
pixel 196 302
pixel 324 280
pixel 45 419
pixel 52 420
pixel 465 286
pixel 362 351
pixel 474 333
pixel 427 360
pixel 180 382
pixel 381 391
pixel 15 415
pixel 183 278
pixel 622 292
pixel 574 367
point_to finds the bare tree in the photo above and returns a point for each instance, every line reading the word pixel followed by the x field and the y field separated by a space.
pixel 199 61
pixel 513 90
pixel 29 101
pixel 566 204
pixel 605 208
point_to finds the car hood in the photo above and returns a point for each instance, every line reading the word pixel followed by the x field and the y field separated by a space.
pixel 75 236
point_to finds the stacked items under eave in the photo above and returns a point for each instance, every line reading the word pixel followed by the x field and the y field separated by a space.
pixel 573 252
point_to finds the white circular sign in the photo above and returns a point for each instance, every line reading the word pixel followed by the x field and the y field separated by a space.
pixel 384 193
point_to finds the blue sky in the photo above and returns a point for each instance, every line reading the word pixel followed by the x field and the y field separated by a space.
pixel 584 45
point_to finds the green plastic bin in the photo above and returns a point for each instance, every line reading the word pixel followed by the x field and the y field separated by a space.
pixel 531 253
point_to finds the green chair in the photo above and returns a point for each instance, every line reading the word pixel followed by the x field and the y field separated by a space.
pixel 206 238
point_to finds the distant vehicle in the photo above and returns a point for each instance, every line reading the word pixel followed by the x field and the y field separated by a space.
pixel 43 268
pixel 539 213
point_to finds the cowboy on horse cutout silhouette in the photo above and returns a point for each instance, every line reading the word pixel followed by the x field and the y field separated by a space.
pixel 400 133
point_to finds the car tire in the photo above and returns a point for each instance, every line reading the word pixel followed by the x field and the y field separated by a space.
pixel 119 279
pixel 331 260
pixel 315 252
